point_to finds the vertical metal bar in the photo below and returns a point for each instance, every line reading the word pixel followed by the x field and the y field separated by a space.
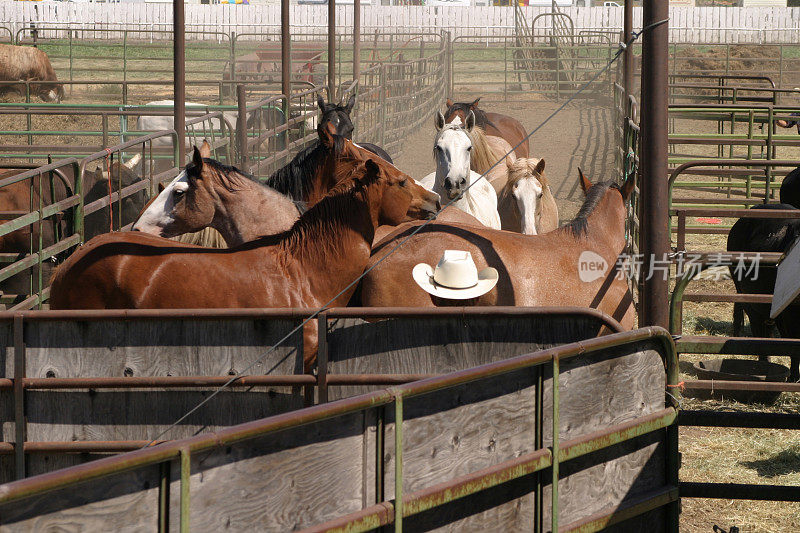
pixel 41 243
pixel 681 244
pixel 654 210
pixel 770 154
pixel 163 498
pixel 332 49
pixel 380 417
pixel 79 227
pixel 627 57
pixel 398 463
pixel 286 52
pixel 179 77
pixel 69 32
pixel 104 121
pixel 673 454
pixel 554 448
pixel 357 38
pixel 538 525
pixel 20 426
pixel 322 357
pixel 186 474
pixel 241 125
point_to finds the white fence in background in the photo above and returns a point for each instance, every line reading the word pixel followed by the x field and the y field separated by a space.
pixel 687 24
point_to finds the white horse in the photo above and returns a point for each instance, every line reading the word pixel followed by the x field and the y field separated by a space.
pixel 451 150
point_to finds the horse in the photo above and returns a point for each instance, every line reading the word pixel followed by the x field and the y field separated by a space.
pixel 764 235
pixel 495 124
pixel 790 188
pixel 20 196
pixel 453 176
pixel 526 203
pixel 308 266
pixel 535 270
pixel 339 116
pixel 226 199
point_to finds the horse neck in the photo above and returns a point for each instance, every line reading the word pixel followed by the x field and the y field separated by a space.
pixel 250 211
pixel 332 242
pixel 606 223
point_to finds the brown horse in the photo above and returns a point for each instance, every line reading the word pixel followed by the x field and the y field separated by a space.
pixel 495 124
pixel 308 266
pixel 225 199
pixel 535 270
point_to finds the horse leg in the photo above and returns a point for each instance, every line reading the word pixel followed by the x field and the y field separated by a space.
pixel 738 319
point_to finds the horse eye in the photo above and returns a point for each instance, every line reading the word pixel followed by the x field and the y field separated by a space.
pixel 469 148
pixel 404 183
pixel 178 193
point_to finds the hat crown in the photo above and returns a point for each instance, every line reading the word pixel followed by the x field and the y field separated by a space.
pixel 456 270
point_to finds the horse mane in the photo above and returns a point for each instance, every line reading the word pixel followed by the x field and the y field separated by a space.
pixel 481 158
pixel 229 176
pixel 522 168
pixel 206 237
pixel 329 215
pixel 296 178
pixel 480 115
pixel 579 225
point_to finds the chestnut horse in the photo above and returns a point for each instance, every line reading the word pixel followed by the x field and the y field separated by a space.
pixel 308 266
pixel 535 270
pixel 495 124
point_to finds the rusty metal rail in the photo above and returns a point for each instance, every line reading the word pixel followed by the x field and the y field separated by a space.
pixel 404 505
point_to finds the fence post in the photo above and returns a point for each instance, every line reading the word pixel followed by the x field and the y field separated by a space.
pixel 241 125
pixel 19 397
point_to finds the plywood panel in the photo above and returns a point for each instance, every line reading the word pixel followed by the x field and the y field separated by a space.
pixel 125 502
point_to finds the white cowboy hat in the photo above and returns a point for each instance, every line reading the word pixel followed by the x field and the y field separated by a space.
pixel 455 277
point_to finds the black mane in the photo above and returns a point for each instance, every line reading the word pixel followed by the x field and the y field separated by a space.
pixel 480 115
pixel 296 178
pixel 578 225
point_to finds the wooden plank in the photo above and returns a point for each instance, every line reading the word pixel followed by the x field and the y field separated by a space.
pixel 125 502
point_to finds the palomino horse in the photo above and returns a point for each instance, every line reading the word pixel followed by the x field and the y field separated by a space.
pixel 495 124
pixel 453 176
pixel 535 270
pixel 222 198
pixel 526 203
pixel 308 266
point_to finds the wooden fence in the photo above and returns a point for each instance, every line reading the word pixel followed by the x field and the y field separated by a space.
pixel 687 24
pixel 468 451
pixel 75 384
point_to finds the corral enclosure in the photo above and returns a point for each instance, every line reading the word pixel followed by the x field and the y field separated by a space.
pixel 721 124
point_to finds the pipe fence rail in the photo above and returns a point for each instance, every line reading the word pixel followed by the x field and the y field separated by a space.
pixel 382 427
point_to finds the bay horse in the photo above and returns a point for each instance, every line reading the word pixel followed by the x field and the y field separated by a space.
pixel 454 178
pixel 308 266
pixel 339 116
pixel 526 203
pixel 495 124
pixel 535 270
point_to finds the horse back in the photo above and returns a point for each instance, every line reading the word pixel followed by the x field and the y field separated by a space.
pixel 510 129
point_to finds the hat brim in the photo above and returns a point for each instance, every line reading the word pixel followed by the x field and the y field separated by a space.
pixel 423 275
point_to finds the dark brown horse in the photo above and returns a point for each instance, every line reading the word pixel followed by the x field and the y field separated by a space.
pixel 495 124
pixel 535 270
pixel 307 266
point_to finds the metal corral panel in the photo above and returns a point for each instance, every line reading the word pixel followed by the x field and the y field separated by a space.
pixel 475 448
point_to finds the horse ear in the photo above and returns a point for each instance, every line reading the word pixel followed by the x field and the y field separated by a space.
pixel 538 167
pixel 133 161
pixel 327 132
pixel 470 123
pixel 321 103
pixel 439 121
pixel 474 105
pixel 197 159
pixel 371 168
pixel 449 103
pixel 585 183
pixel 627 187
pixel 350 103
pixel 205 150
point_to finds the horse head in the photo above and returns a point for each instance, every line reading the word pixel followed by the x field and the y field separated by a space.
pixel 338 115
pixel 460 110
pixel 523 191
pixel 451 151
pixel 186 204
